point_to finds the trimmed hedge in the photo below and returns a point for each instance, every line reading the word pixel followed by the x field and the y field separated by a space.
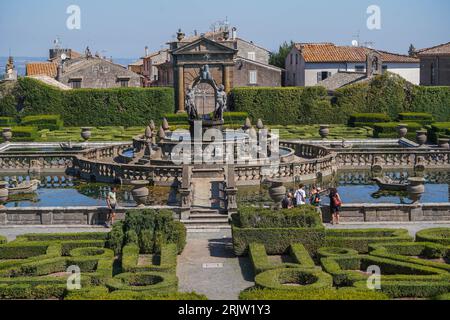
pixel 102 293
pixel 408 252
pixel 150 282
pixel 418 117
pixel 167 259
pixel 299 217
pixel 434 100
pixel 326 252
pixel 367 119
pixel 411 289
pixel 24 134
pixel 296 279
pixel 295 105
pixel 49 122
pixel 436 235
pixel 360 239
pixel 7 122
pixel 277 240
pixel 63 236
pixel 89 107
pixel 3 240
pixel 260 260
pixel 346 270
pixel 27 291
pixel 389 130
pixel 322 294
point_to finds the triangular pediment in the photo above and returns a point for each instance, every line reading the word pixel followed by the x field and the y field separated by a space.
pixel 203 46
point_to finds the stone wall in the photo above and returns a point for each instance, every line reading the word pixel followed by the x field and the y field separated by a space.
pixel 365 212
pixel 267 76
pixel 66 215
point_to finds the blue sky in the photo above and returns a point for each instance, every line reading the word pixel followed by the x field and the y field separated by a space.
pixel 123 28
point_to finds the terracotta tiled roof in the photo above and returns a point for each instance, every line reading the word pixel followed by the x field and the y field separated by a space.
pixel 442 49
pixel 328 52
pixel 42 69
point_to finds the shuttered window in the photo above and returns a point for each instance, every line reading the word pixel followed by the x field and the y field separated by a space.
pixel 253 77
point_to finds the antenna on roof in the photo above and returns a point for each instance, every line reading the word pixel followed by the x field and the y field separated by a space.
pixel 357 41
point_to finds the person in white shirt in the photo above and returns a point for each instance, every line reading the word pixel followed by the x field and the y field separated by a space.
pixel 300 196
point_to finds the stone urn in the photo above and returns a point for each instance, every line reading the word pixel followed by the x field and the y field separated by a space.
pixel 7 134
pixel 140 192
pixel 416 188
pixel 247 125
pixel 165 125
pixel 4 193
pixel 324 131
pixel 402 130
pixel 152 125
pixel 444 143
pixel 277 191
pixel 260 124
pixel 86 133
pixel 421 137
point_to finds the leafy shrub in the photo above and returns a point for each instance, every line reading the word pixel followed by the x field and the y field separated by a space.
pixel 3 240
pixel 49 122
pixel 131 237
pixel 299 217
pixel 116 238
pixel 322 294
pixel 444 297
pixel 367 119
pixel 293 280
pixel 436 235
pixel 434 100
pixel 146 241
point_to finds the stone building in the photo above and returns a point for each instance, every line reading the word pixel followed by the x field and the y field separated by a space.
pixel 233 62
pixel 435 65
pixel 83 71
pixel 310 63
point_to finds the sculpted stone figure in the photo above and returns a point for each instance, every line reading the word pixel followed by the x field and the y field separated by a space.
pixel 191 109
pixel 221 102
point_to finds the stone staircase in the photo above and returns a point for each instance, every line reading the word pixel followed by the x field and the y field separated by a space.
pixel 201 218
pixel 205 214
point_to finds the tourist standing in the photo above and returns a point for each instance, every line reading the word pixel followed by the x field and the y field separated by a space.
pixel 111 201
pixel 335 205
pixel 287 202
pixel 300 196
pixel 315 199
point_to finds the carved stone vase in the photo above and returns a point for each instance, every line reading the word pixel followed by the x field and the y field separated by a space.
pixel 140 192
pixel 86 133
pixel 324 131
pixel 7 134
pixel 416 188
pixel 402 130
pixel 4 193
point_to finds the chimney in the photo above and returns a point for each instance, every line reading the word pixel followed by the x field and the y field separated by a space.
pixel 59 71
pixel 146 51
pixel 180 35
pixel 233 33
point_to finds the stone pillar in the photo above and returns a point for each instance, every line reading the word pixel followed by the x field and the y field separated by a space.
pixel 180 89
pixel 226 78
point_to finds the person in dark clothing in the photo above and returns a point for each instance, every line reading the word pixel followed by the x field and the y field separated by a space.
pixel 335 205
pixel 287 202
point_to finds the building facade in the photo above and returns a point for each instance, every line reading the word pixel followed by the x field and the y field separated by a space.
pixel 310 63
pixel 435 65
pixel 84 71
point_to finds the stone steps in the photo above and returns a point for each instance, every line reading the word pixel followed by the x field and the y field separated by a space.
pixel 206 219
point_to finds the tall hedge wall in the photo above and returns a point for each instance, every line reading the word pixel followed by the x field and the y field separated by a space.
pixel 284 105
pixel 84 107
pixel 388 93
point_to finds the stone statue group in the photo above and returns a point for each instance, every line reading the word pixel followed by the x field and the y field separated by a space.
pixel 220 95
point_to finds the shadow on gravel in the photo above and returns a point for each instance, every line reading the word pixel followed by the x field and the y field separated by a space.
pixel 223 248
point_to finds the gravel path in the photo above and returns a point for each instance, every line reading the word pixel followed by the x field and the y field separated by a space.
pixel 208 266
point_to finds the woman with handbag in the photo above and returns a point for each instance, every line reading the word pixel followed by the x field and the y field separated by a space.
pixel 335 205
